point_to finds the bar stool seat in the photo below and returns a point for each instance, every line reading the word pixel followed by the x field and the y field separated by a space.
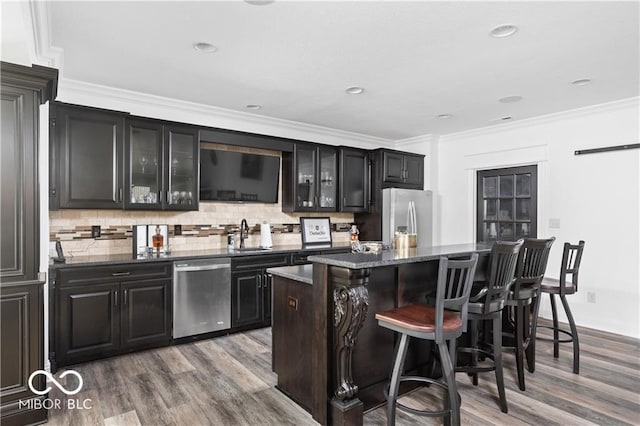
pixel 571 257
pixel 437 323
pixel 555 288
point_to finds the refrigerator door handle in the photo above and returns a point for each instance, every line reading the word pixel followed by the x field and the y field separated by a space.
pixel 413 223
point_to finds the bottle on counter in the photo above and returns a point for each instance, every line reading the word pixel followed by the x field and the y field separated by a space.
pixel 157 239
pixel 230 243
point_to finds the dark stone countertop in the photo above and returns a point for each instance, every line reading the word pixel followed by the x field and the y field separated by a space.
pixel 301 273
pixel 113 259
pixel 398 257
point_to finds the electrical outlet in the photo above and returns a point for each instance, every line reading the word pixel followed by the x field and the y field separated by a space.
pixel 177 229
pixel 591 297
pixel 95 231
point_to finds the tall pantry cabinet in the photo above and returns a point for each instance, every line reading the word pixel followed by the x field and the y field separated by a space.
pixel 21 287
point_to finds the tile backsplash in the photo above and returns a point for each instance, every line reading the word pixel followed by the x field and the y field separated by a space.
pixel 201 230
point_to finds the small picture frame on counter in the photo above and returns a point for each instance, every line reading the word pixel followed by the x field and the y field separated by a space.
pixel 315 231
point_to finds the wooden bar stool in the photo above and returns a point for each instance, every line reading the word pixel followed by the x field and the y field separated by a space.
pixel 445 321
pixel 487 305
pixel 571 256
pixel 523 300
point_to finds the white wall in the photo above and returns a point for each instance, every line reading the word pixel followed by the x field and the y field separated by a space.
pixel 595 197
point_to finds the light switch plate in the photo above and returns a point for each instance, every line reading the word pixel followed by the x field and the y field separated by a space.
pixel 95 231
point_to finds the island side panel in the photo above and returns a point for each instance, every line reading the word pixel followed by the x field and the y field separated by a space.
pixel 291 348
pixel 320 346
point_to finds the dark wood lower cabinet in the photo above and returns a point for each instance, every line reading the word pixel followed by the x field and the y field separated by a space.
pixel 247 297
pixel 22 339
pixel 145 318
pixel 95 319
pixel 88 323
pixel 251 290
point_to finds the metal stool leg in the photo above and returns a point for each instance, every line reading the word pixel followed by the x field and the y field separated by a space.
pixel 574 335
pixel 497 361
pixel 474 344
pixel 398 366
pixel 556 337
pixel 531 348
pixel 519 344
pixel 449 375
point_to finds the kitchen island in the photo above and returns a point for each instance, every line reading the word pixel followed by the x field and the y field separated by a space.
pixel 328 351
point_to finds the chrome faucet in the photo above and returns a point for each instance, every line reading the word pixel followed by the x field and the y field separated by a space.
pixel 244 232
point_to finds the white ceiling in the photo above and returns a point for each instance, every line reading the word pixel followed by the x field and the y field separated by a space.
pixel 416 60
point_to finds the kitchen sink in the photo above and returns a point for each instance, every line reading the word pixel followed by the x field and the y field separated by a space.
pixel 252 249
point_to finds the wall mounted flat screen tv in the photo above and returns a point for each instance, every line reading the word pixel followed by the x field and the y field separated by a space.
pixel 237 176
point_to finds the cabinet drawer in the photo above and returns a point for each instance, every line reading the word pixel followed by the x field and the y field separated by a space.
pixel 259 262
pixel 125 272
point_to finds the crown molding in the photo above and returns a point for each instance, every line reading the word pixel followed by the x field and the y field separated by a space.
pixel 633 102
pixel 153 106
pixel 422 139
pixel 39 18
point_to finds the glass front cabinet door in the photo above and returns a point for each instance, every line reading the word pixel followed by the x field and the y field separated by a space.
pixel 507 203
pixel 161 171
pixel 143 178
pixel 315 174
pixel 181 176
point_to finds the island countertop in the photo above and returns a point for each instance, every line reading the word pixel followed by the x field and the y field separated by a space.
pixel 300 273
pixel 398 257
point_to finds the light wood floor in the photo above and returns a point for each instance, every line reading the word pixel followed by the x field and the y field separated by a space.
pixel 228 381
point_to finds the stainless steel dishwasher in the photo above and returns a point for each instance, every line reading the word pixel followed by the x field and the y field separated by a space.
pixel 201 296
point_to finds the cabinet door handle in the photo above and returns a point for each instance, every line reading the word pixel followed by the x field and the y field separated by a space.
pixel 125 297
pixel 167 197
pixel 120 195
pixel 259 281
pixel 120 274
pixel 115 298
pixel 159 197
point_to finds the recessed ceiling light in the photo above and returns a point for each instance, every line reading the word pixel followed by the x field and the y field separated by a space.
pixel 259 2
pixel 354 90
pixel 505 118
pixel 205 47
pixel 510 99
pixel 581 82
pixel 254 106
pixel 444 116
pixel 504 30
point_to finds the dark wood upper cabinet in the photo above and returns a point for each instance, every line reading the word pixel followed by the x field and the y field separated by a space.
pixel 401 169
pixel 161 170
pixel 310 179
pixel 89 146
pixel 354 180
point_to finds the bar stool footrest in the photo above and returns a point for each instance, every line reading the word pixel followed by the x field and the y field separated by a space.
pixel 550 339
pixel 421 379
pixel 476 369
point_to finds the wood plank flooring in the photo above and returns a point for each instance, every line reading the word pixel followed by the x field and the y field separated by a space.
pixel 228 381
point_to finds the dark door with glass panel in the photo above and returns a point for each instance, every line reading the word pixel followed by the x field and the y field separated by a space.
pixel 507 204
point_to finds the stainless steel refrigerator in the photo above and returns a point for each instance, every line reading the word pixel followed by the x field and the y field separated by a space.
pixel 408 210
